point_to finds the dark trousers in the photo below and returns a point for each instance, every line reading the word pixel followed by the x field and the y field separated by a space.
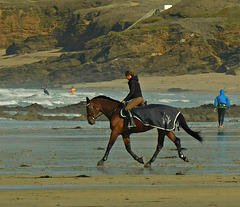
pixel 221 114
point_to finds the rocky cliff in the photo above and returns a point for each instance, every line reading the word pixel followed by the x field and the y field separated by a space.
pixel 191 37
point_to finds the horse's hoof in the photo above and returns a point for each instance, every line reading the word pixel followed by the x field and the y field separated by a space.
pixel 147 165
pixel 186 159
pixel 140 160
pixel 100 163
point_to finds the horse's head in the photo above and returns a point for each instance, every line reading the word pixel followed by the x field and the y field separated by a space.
pixel 103 104
pixel 92 111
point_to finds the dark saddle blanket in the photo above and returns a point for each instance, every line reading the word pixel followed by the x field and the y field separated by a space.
pixel 156 115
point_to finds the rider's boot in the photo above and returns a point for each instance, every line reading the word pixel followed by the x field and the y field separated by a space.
pixel 130 120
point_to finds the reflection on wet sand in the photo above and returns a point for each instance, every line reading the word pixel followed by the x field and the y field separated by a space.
pixel 68 152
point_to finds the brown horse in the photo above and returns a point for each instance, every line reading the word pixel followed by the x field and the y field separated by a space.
pixel 111 109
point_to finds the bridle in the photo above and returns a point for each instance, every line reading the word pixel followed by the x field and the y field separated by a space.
pixel 93 108
pixel 92 116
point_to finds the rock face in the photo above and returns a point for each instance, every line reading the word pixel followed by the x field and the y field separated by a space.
pixel 30 44
pixel 191 37
pixel 18 22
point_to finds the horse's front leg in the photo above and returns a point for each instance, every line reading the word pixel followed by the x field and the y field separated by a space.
pixel 177 142
pixel 114 135
pixel 127 143
pixel 161 135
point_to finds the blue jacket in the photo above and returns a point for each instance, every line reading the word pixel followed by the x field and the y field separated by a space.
pixel 221 99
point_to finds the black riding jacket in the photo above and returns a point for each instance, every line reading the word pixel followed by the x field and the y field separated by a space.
pixel 135 89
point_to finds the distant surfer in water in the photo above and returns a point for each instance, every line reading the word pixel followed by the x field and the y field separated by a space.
pixel 72 91
pixel 45 90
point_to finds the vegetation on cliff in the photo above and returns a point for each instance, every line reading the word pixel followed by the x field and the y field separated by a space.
pixel 191 37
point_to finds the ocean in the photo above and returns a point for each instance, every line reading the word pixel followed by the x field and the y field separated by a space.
pixel 75 147
pixel 60 97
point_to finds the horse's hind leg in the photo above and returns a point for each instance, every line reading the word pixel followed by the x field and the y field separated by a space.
pixel 161 135
pixel 177 142
pixel 127 143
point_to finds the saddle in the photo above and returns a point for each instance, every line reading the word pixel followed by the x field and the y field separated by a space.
pixel 155 115
pixel 128 117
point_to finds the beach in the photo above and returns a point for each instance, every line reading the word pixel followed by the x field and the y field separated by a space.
pixel 54 163
pixel 123 190
pixel 200 83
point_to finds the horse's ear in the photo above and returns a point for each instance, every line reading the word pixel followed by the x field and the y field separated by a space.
pixel 88 100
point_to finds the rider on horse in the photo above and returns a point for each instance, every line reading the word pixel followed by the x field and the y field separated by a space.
pixel 134 96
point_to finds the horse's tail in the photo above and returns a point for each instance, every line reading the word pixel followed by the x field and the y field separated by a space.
pixel 182 122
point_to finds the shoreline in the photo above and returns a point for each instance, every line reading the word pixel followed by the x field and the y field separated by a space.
pixel 210 83
pixel 123 190
pixel 114 180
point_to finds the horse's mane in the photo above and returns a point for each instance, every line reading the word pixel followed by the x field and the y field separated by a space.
pixel 106 98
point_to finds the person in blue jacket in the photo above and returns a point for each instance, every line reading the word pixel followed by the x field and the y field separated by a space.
pixel 220 104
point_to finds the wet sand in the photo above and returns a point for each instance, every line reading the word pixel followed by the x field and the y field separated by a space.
pixel 46 150
pixel 57 167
